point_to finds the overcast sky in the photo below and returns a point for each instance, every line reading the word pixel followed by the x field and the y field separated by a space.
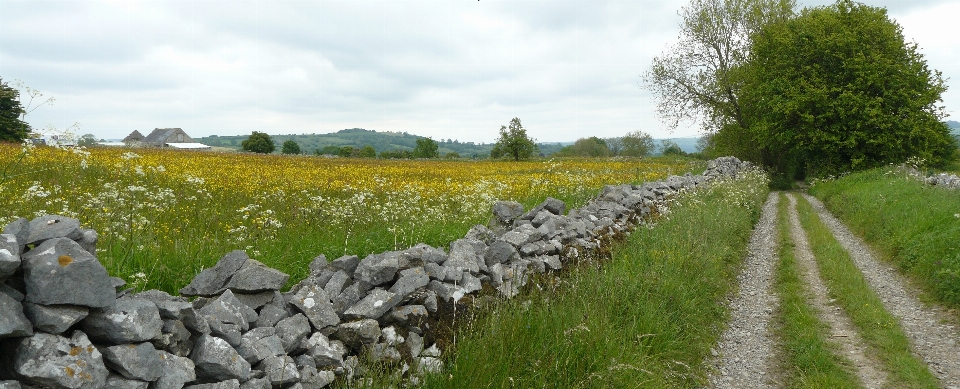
pixel 451 69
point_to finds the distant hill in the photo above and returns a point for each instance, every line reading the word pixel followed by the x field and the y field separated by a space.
pixel 953 124
pixel 389 141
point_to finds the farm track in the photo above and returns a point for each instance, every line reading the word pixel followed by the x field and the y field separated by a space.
pixel 747 351
pixel 932 333
pixel 840 327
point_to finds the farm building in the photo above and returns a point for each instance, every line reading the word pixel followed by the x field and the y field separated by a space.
pixel 133 138
pixel 166 137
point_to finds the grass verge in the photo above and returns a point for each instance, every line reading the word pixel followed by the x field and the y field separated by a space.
pixel 647 318
pixel 809 361
pixel 914 225
pixel 879 328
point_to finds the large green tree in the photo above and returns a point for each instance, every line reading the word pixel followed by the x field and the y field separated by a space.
pixel 837 88
pixel 259 142
pixel 698 78
pixel 12 127
pixel 290 147
pixel 426 148
pixel 637 144
pixel 514 142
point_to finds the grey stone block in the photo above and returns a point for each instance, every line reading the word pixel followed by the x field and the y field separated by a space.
pixel 260 343
pixel 59 271
pixel 116 381
pixel 256 300
pixel 377 269
pixel 175 371
pixel 410 280
pixel 324 352
pixel 52 227
pixel 54 319
pixel 212 281
pixel 228 310
pixel 21 229
pixel 9 255
pixel 174 338
pixel 280 370
pixel 507 211
pixel 254 276
pixel 216 361
pixel 314 303
pixel 170 307
pixel 500 252
pixel 358 333
pixel 374 305
pixel 59 362
pixel 134 361
pixel 292 331
pixel 347 263
pixel 349 297
pixel 130 320
pixel 13 323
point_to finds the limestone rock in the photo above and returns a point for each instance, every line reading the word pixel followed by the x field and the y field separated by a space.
pixel 60 362
pixel 410 280
pixel 500 252
pixel 254 276
pixel 228 310
pixel 212 281
pixel 314 303
pixel 13 323
pixel 347 263
pixel 59 271
pixel 19 228
pixel 116 381
pixel 324 352
pixel 292 331
pixel 507 211
pixel 175 372
pixel 54 319
pixel 52 227
pixel 130 320
pixel 9 255
pixel 227 384
pixel 216 361
pixel 358 333
pixel 134 361
pixel 260 343
pixel 374 305
pixel 377 269
pixel 280 370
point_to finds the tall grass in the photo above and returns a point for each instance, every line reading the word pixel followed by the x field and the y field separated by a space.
pixel 809 361
pixel 879 329
pixel 914 225
pixel 163 215
pixel 648 318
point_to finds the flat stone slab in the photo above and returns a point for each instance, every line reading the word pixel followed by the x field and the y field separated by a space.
pixel 314 303
pixel 130 320
pixel 254 276
pixel 59 271
pixel 54 319
pixel 134 361
pixel 53 226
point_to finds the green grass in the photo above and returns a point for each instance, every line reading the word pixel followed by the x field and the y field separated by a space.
pixel 647 318
pixel 809 361
pixel 879 329
pixel 915 226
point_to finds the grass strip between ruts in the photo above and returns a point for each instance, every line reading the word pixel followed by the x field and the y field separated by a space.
pixel 647 318
pixel 876 325
pixel 809 361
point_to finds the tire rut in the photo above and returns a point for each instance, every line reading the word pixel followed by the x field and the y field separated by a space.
pixel 930 330
pixel 844 333
pixel 746 351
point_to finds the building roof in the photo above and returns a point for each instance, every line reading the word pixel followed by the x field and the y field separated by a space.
pixel 134 136
pixel 159 136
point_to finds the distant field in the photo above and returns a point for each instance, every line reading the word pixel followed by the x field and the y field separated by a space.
pixel 163 215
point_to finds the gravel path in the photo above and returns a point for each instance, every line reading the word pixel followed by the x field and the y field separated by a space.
pixel 932 335
pixel 840 326
pixel 746 355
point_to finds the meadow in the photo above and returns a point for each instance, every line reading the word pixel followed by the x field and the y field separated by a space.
pixel 163 215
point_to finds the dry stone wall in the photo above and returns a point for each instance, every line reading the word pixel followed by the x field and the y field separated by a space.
pixel 65 323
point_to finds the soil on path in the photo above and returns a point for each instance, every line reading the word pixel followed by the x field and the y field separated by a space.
pixel 746 352
pixel 841 329
pixel 930 330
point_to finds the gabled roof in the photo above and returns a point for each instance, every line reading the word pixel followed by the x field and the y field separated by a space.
pixel 160 135
pixel 134 136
